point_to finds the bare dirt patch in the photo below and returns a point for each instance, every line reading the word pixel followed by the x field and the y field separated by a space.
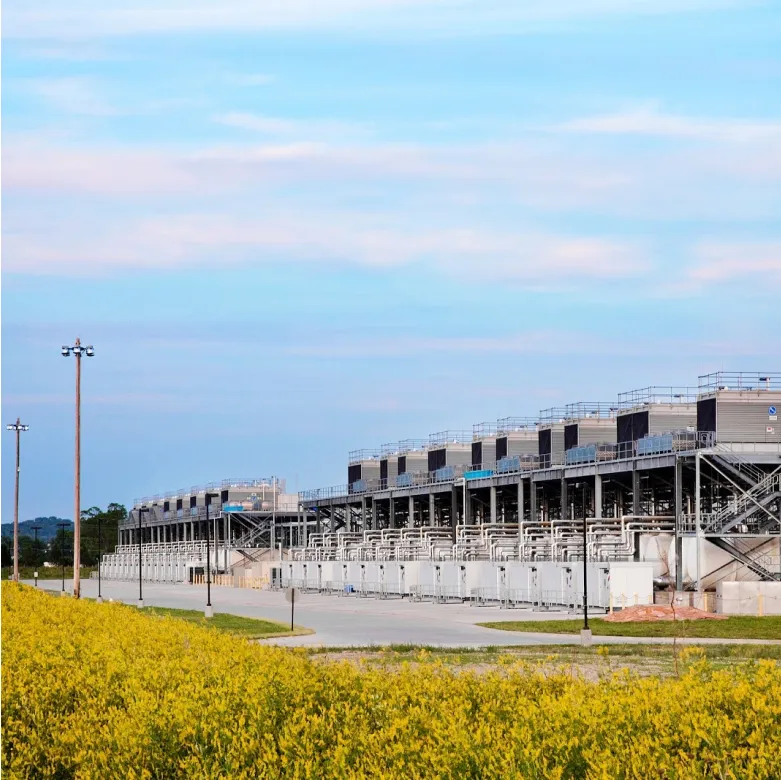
pixel 651 614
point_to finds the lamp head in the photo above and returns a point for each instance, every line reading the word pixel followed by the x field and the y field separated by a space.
pixel 66 351
pixel 90 351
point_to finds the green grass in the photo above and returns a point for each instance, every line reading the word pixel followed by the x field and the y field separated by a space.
pixel 738 627
pixel 26 573
pixel 250 628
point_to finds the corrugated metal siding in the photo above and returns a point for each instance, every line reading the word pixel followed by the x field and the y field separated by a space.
pixel 520 443
pixel 557 438
pixel 596 432
pixel 489 453
pixel 748 421
pixel 671 417
pixel 416 461
pixel 393 467
pixel 459 455
pixel 370 469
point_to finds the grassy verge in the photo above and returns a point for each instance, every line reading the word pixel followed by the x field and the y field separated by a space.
pixel 26 573
pixel 738 627
pixel 714 652
pixel 249 628
pixel 591 663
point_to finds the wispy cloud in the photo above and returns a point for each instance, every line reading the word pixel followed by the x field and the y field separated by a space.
pixel 647 121
pixel 335 238
pixel 84 18
pixel 296 128
pixel 731 261
pixel 70 95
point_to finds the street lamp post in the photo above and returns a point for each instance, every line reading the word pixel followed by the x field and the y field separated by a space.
pixel 36 528
pixel 18 428
pixel 209 611
pixel 141 511
pixel 63 526
pixel 77 350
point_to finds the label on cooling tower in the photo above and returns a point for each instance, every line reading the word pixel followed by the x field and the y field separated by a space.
pixel 770 429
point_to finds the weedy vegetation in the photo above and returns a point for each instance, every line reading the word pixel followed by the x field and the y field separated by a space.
pixel 98 691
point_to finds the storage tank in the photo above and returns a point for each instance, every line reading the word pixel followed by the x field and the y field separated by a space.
pixel 741 408
pixel 650 411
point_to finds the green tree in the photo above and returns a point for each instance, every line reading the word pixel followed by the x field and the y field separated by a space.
pixel 61 547
pixel 109 520
pixel 28 554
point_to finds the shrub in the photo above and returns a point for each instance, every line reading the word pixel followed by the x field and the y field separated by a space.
pixel 103 691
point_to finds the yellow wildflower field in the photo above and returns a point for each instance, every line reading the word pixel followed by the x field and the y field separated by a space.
pixel 104 691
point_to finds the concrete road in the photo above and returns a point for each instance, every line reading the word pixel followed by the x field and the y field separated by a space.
pixel 346 620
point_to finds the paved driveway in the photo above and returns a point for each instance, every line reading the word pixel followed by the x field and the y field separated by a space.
pixel 347 620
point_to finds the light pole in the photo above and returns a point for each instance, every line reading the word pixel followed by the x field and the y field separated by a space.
pixel 209 612
pixel 141 511
pixel 36 528
pixel 77 351
pixel 18 427
pixel 63 526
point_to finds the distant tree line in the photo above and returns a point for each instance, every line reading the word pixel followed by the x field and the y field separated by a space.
pixel 59 546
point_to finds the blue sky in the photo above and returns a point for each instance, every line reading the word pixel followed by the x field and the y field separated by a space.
pixel 294 229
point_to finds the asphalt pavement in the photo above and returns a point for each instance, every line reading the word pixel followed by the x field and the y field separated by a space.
pixel 342 621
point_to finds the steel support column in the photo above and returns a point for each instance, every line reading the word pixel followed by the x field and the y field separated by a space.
pixel 678 523
pixel 597 497
pixel 520 501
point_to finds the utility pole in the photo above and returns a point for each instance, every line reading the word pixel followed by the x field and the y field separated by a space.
pixel 18 427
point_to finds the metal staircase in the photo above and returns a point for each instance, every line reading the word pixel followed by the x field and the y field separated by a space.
pixel 740 467
pixel 757 565
pixel 753 507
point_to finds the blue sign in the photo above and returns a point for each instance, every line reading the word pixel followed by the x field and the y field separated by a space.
pixel 771 410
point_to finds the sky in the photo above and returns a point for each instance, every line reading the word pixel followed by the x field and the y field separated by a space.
pixel 294 229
